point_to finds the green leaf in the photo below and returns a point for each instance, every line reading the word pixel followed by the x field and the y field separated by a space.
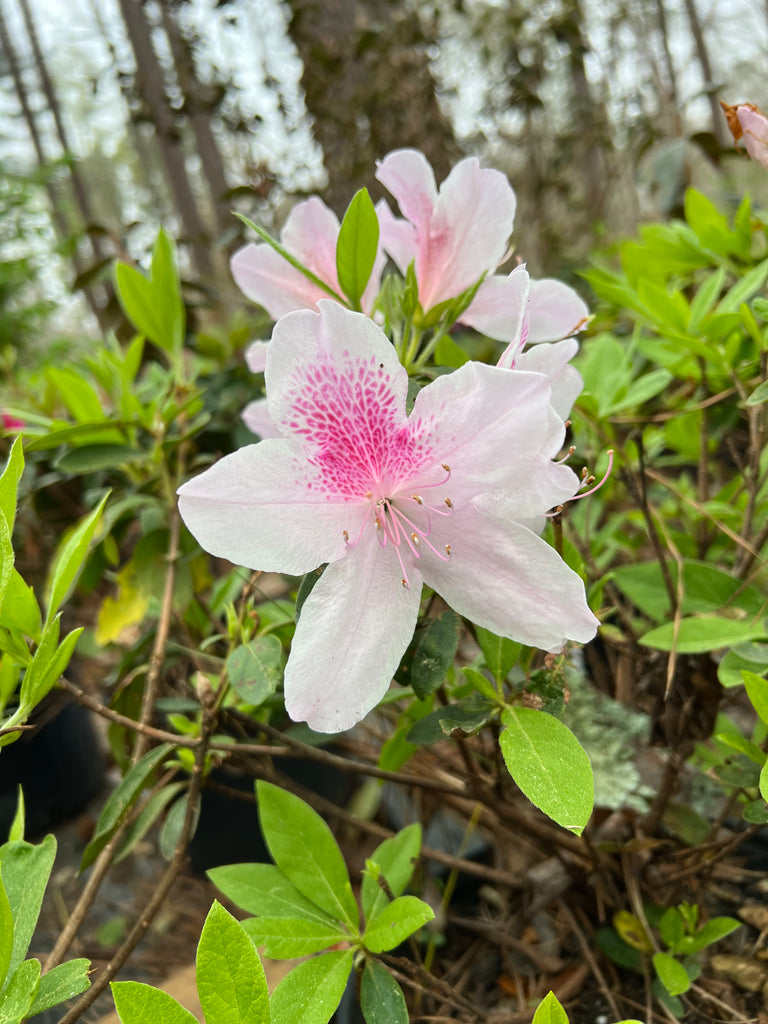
pixel 500 653
pixel 137 1003
pixel 286 937
pixel 6 934
pixel 381 998
pixel 9 483
pixel 20 610
pixel 170 833
pixel 76 393
pixel 255 669
pixel 710 933
pixel 48 664
pixel 672 927
pixel 262 889
pixel 763 784
pixel 743 290
pixel 7 558
pixel 704 633
pixel 69 559
pixel 20 992
pixel 155 305
pixel 395 922
pixel 25 870
pixel 356 247
pixel 304 849
pixel 93 457
pixel 671 973
pixel 454 720
pixel 396 859
pixel 549 1011
pixel 756 812
pixel 312 991
pixel 17 825
pixel 759 395
pixel 230 976
pixel 757 691
pixel 146 818
pixel 121 801
pixel 705 298
pixel 61 983
pixel 434 653
pixel 750 656
pixel 744 746
pixel 549 765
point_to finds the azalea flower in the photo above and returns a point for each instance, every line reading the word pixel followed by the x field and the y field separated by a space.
pixel 310 234
pixel 455 234
pixel 748 121
pixel 452 495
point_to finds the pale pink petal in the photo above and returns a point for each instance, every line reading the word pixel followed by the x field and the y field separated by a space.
pixel 553 361
pixel 263 507
pixel 555 311
pixel 498 308
pixel 352 632
pixel 311 233
pixel 265 277
pixel 398 237
pixel 256 418
pixel 506 579
pixel 482 421
pixel 256 356
pixel 406 174
pixel 371 292
pixel 335 382
pixel 754 125
pixel 530 491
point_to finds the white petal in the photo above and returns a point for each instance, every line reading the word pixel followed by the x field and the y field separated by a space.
pixel 256 418
pixel 506 579
pixel 311 233
pixel 553 360
pixel 407 175
pixel 351 635
pixel 256 356
pixel 265 277
pixel 498 308
pixel 398 237
pixel 264 507
pixel 555 311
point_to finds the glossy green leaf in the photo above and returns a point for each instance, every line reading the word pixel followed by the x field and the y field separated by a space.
pixel 356 247
pixel 6 558
pixel 549 765
pixel 763 784
pixel 154 304
pixel 147 816
pixel 16 831
pixel 61 983
pixel 381 998
pixel 137 1003
pixel 549 1011
pixel 671 974
pixel 304 849
pixel 263 889
pixel 9 483
pixel 284 938
pixel 312 991
pixel 20 609
pixel 25 870
pixel 710 933
pixel 255 669
pixel 395 922
pixel 48 664
pixel 704 633
pixel 70 558
pixel 757 691
pixel 170 833
pixel 500 653
pixel 6 934
pixel 230 976
pixel 395 860
pixel 434 652
pixel 671 927
pixel 453 720
pixel 121 800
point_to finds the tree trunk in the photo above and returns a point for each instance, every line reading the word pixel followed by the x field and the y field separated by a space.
pixel 369 88
pixel 151 87
pixel 62 229
pixel 199 105
pixel 719 129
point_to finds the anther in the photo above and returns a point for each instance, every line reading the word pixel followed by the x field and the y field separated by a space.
pixel 446 467
pixel 415 539
pixel 449 503
pixel 417 499
pixel 405 584
pixel 447 549
pixel 346 535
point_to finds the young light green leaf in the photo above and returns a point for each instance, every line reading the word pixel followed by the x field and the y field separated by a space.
pixel 705 298
pixel 19 609
pixel 137 1003
pixel 763 784
pixel 396 859
pixel 25 870
pixel 356 247
pixel 255 669
pixel 671 973
pixel 154 304
pixel 757 691
pixel 146 818
pixel 312 990
pixel 17 825
pixel 671 927
pixel 304 849
pixel 549 765
pixel 703 633
pixel 395 922
pixel 381 998
pixel 710 933
pixel 550 1011
pixel 7 558
pixel 69 559
pixel 500 653
pixel 61 983
pixel 743 290
pixel 6 934
pixel 49 662
pixel 121 800
pixel 9 483
pixel 20 992
pixel 284 938
pixel 434 653
pixel 170 833
pixel 759 395
pixel 76 393
pixel 262 889
pixel 230 976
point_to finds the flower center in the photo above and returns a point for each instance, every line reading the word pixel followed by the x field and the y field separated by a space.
pixel 405 521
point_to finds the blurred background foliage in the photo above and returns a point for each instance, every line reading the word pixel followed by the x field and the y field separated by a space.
pixel 120 115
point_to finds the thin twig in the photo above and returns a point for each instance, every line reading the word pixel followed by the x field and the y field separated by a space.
pixel 588 957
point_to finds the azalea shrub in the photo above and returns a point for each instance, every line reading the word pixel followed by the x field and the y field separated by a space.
pixel 376 526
